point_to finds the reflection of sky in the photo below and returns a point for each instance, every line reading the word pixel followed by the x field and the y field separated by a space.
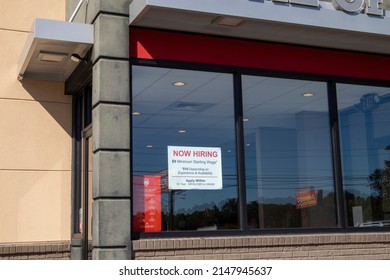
pixel 287 138
pixel 364 132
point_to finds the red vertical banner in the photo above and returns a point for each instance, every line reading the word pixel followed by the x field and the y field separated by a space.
pixel 147 203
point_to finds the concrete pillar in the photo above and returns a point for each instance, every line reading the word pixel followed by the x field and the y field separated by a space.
pixel 110 126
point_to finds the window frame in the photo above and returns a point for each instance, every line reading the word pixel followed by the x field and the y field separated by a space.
pixel 238 72
pixel 81 133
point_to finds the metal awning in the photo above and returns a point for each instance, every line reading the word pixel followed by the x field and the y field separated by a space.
pixel 320 26
pixel 49 47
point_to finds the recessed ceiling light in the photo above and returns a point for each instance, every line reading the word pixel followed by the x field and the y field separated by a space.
pixel 149 146
pixel 179 84
pixel 245 120
pixel 308 94
pixel 182 131
pixel 136 113
pixel 247 145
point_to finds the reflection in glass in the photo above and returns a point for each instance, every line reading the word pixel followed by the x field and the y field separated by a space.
pixel 199 113
pixel 365 143
pixel 287 154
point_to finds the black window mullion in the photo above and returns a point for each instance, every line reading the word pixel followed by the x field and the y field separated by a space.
pixel 76 168
pixel 87 113
pixel 243 221
pixel 336 153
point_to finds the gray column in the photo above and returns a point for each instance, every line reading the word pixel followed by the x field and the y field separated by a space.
pixel 111 236
pixel 110 126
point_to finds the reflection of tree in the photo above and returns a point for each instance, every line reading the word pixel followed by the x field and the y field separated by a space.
pixel 286 215
pixel 223 216
pixel 371 206
pixel 380 186
pixel 174 195
pixel 380 178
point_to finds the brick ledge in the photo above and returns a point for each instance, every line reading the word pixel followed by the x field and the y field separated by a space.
pixel 35 250
pixel 264 240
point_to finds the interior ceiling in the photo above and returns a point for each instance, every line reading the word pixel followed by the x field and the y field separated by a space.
pixel 205 103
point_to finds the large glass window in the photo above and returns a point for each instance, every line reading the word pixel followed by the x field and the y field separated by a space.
pixel 190 112
pixel 364 117
pixel 288 158
pixel 186 169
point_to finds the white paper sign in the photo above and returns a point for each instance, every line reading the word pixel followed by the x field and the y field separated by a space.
pixel 194 168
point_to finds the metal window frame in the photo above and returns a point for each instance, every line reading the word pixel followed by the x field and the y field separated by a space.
pixel 81 131
pixel 238 72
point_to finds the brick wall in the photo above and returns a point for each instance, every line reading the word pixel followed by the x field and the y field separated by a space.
pixel 35 251
pixel 315 246
pixel 327 246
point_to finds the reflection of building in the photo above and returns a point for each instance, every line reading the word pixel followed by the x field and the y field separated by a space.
pixel 296 98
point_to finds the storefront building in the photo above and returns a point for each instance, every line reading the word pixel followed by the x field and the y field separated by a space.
pixel 235 129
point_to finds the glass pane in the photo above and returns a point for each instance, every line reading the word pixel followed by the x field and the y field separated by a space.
pixel 192 110
pixel 365 143
pixel 86 185
pixel 77 195
pixel 90 154
pixel 287 154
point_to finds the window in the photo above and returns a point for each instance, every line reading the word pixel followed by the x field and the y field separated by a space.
pixel 288 155
pixel 82 171
pixel 283 163
pixel 365 147
pixel 187 109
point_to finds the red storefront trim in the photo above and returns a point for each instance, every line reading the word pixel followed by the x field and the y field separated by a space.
pixel 181 47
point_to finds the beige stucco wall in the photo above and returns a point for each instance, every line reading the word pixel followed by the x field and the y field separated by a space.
pixel 35 136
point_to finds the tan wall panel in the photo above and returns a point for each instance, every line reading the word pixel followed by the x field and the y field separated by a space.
pixel 19 14
pixel 11 45
pixel 34 206
pixel 35 135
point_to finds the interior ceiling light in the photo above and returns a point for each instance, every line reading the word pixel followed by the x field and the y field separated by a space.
pixel 308 94
pixel 136 113
pixel 51 56
pixel 228 21
pixel 245 120
pixel 182 131
pixel 179 84
pixel 149 146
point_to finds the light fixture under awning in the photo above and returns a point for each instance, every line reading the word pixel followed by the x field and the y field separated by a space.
pixel 49 46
